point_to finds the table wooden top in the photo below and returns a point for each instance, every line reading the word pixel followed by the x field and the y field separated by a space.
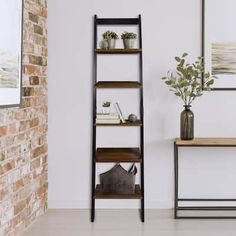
pixel 207 142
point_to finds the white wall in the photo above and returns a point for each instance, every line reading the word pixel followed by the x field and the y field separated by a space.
pixel 169 28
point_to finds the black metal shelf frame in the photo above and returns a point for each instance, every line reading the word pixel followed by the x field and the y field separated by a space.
pixel 117 21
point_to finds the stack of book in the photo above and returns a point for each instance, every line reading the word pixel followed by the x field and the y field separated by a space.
pixel 107 119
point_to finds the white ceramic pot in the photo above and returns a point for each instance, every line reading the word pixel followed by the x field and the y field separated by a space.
pixel 111 43
pixel 128 43
pixel 106 110
pixel 104 44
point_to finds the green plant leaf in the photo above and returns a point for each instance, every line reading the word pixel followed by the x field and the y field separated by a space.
pixel 210 82
pixel 168 82
pixel 182 62
pixel 187 93
pixel 178 94
pixel 177 59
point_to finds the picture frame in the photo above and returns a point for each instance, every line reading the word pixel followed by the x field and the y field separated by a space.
pixel 11 44
pixel 219 42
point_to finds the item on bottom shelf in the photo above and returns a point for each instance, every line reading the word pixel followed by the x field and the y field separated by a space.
pixel 118 110
pixel 118 180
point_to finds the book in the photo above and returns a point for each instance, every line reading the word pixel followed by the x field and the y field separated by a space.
pixel 109 121
pixel 107 116
pixel 118 110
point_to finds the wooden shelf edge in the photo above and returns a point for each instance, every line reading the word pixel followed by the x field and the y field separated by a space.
pixel 118 84
pixel 118 51
pixel 126 124
pixel 118 155
pixel 99 195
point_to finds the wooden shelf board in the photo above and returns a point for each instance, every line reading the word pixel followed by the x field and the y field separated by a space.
pixel 100 195
pixel 118 155
pixel 118 84
pixel 118 51
pixel 207 142
pixel 127 123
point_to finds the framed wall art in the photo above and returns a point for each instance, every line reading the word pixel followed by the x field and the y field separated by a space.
pixel 10 52
pixel 219 42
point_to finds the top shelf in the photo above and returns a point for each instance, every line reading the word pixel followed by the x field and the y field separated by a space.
pixel 117 21
pixel 118 51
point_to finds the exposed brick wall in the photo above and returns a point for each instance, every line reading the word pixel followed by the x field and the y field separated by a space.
pixel 23 132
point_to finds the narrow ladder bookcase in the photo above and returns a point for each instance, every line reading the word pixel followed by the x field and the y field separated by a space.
pixel 118 155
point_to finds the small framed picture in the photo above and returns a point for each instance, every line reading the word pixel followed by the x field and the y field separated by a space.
pixel 10 52
pixel 219 42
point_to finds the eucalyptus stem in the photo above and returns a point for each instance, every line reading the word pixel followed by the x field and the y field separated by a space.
pixel 187 81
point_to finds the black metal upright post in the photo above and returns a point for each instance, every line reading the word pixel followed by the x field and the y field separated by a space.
pixel 142 119
pixel 94 120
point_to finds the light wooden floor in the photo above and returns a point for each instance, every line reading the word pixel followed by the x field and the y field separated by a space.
pixel 126 223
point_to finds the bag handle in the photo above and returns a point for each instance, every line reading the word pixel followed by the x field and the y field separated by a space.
pixel 133 169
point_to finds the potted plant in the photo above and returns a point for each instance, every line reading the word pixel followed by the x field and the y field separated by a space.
pixel 186 83
pixel 128 39
pixel 111 38
pixel 106 107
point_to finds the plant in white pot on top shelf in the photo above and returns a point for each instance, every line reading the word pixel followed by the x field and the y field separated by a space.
pixel 110 37
pixel 128 39
pixel 186 83
pixel 106 106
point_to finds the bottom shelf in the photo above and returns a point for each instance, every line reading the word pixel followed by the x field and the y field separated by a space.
pixel 100 195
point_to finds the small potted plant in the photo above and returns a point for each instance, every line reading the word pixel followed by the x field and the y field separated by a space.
pixel 106 107
pixel 111 38
pixel 186 83
pixel 128 39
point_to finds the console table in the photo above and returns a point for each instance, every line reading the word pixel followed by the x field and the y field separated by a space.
pixel 200 142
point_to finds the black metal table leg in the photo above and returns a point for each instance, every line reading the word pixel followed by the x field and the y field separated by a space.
pixel 176 179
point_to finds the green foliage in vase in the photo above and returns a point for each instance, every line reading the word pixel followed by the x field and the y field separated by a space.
pixel 106 104
pixel 110 35
pixel 186 82
pixel 128 35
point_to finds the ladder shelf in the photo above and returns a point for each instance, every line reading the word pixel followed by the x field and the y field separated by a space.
pixel 118 154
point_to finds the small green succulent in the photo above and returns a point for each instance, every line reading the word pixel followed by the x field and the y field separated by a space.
pixel 106 104
pixel 128 35
pixel 110 35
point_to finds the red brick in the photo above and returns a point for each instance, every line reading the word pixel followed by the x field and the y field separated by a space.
pixel 30 69
pixel 33 17
pixel 19 207
pixel 35 164
pixel 34 80
pixel 3 131
pixel 38 29
pixel 18 185
pixel 36 60
pixel 39 151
